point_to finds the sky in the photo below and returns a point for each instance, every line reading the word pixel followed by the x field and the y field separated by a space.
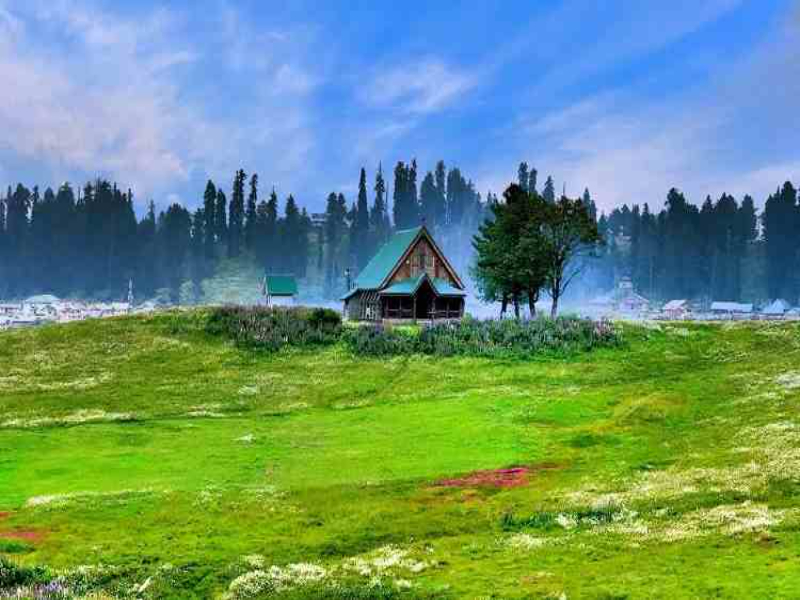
pixel 627 98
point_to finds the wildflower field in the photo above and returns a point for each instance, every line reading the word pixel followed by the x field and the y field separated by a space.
pixel 147 457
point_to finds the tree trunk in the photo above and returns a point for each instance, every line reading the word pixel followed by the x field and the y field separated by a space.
pixel 504 306
pixel 532 304
pixel 554 307
pixel 516 307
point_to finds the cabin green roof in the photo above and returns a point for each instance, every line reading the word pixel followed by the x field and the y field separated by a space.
pixel 404 287
pixel 381 265
pixel 445 288
pixel 281 285
pixel 409 286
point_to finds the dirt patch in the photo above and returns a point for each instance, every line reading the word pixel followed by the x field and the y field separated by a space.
pixel 28 536
pixel 4 515
pixel 500 478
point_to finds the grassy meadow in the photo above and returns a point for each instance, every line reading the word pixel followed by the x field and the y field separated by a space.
pixel 142 457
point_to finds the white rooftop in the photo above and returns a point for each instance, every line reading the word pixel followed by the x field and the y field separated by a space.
pixel 732 307
pixel 675 305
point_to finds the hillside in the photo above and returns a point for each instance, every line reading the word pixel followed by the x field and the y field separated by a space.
pixel 142 458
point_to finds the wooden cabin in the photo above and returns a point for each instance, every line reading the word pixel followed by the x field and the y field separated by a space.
pixel 408 279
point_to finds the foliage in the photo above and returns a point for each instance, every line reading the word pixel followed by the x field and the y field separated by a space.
pixel 486 338
pixel 275 327
pixel 531 243
pixel 13 575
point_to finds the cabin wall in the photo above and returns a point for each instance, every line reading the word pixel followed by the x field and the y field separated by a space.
pixel 422 258
pixel 363 306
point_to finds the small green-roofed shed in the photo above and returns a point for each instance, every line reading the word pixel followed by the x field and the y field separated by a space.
pixel 280 285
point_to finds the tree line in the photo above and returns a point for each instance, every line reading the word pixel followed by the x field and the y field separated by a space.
pixel 721 250
pixel 89 243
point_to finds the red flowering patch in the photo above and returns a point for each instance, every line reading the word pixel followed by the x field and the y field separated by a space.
pixel 502 478
pixel 28 536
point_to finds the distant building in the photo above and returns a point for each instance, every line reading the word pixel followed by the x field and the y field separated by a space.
pixel 280 289
pixel 627 300
pixel 408 279
pixel 731 308
pixel 9 308
pixel 778 308
pixel 676 309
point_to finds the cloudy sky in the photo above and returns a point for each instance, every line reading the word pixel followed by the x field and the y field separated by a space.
pixel 628 98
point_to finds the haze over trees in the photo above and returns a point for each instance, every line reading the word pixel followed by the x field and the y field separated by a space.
pixel 88 242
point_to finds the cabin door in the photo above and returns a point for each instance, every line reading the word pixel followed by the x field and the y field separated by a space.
pixel 425 299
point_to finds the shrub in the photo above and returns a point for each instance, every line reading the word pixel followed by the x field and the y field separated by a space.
pixel 489 338
pixel 13 575
pixel 275 328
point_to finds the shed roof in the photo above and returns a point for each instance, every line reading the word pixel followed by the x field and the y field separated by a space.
pixel 445 288
pixel 734 307
pixel 42 299
pixel 281 285
pixel 675 305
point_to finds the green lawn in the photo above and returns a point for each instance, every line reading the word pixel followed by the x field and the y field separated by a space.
pixel 146 459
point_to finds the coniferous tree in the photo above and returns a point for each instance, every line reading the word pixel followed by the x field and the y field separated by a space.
pixel 291 237
pixel 335 242
pixel 250 225
pixel 523 176
pixel 401 197
pixel 549 191
pixel 236 215
pixel 428 198
pixel 271 233
pixel 380 226
pixel 780 222
pixel 209 225
pixel 361 237
pixel 440 177
pixel 221 220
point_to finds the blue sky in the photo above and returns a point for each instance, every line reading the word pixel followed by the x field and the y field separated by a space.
pixel 628 98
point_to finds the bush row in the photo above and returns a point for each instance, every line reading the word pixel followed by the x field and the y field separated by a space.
pixel 490 338
pixel 274 328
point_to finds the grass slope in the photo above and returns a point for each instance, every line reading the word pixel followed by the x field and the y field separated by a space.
pixel 169 464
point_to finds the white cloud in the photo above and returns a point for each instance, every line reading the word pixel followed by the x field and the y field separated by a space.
pixel 107 107
pixel 729 135
pixel 426 86
pixel 99 94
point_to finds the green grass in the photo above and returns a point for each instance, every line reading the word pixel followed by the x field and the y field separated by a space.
pixel 149 450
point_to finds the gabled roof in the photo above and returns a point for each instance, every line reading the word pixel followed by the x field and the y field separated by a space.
pixel 778 307
pixel 404 287
pixel 385 263
pixel 281 285
pixel 409 286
